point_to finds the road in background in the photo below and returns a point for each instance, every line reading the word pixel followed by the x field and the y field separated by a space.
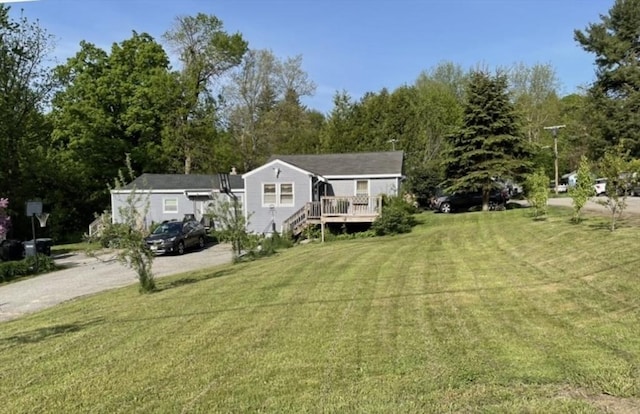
pixel 633 204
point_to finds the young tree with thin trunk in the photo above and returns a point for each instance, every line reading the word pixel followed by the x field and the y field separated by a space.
pixel 128 236
pixel 536 190
pixel 615 167
pixel 583 190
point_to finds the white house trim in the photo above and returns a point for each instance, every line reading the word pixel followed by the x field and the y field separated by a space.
pixel 276 161
pixel 362 176
pixel 196 192
pixel 355 187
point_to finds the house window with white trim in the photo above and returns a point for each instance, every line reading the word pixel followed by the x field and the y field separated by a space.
pixel 170 205
pixel 277 194
pixel 269 194
pixel 362 192
pixel 286 194
pixel 362 188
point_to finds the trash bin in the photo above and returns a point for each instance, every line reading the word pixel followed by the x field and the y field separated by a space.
pixel 43 246
pixel 11 250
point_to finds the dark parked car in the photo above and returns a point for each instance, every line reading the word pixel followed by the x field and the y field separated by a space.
pixel 176 237
pixel 463 201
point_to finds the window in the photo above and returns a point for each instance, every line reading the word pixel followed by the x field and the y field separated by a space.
pixel 362 188
pixel 280 194
pixel 362 192
pixel 268 194
pixel 170 205
pixel 286 194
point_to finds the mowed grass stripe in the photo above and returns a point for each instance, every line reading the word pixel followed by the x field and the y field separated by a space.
pixel 469 312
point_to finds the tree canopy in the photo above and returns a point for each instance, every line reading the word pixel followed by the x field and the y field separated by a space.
pixel 490 144
pixel 614 97
pixel 65 132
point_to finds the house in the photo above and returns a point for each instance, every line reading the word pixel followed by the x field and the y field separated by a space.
pixel 569 179
pixel 174 196
pixel 290 191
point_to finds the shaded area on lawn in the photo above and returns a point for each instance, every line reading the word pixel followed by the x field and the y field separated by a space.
pixel 41 334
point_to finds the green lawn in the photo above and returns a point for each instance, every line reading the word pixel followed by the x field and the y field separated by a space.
pixel 74 247
pixel 477 312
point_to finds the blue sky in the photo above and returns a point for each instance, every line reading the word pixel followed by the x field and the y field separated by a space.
pixel 354 45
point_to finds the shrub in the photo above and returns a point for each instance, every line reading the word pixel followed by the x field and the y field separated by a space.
pixel 312 232
pixel 396 217
pixel 261 246
pixel 406 202
pixel 26 267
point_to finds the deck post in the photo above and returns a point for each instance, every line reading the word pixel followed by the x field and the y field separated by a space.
pixel 322 230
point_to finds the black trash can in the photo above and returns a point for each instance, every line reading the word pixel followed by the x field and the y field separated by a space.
pixel 11 250
pixel 43 246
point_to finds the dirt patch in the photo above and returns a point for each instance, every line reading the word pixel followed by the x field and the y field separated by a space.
pixel 605 402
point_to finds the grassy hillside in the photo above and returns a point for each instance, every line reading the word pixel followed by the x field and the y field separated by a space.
pixel 469 313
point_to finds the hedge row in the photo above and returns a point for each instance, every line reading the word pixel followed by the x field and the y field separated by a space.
pixel 17 269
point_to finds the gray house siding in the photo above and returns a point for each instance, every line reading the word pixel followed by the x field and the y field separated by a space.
pixel 262 214
pixel 164 205
pixel 377 186
pixel 389 186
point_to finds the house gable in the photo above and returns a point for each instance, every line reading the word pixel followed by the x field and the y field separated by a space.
pixel 273 193
pixel 276 163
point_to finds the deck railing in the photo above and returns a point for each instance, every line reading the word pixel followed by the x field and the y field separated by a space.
pixel 96 226
pixel 333 206
pixel 309 211
pixel 351 206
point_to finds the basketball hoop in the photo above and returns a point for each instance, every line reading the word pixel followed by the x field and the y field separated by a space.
pixel 42 218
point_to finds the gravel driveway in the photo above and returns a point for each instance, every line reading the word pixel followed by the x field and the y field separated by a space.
pixel 87 275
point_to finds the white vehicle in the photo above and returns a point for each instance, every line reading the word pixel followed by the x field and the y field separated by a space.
pixel 600 186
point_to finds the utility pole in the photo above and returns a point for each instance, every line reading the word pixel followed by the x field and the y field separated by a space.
pixel 554 131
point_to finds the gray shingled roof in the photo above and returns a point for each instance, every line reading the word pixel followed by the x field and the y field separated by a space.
pixel 359 163
pixel 182 182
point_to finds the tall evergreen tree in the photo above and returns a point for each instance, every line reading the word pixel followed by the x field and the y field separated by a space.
pixel 615 95
pixel 490 144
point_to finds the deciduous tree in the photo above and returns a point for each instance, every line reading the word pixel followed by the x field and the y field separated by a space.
pixel 265 115
pixel 616 167
pixel 206 52
pixel 583 190
pixel 25 87
pixel 537 192
pixel 110 105
pixel 534 91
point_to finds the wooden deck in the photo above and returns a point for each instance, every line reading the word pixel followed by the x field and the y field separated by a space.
pixel 354 209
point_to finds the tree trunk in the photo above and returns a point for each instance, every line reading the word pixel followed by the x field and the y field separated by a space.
pixel 187 164
pixel 485 199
